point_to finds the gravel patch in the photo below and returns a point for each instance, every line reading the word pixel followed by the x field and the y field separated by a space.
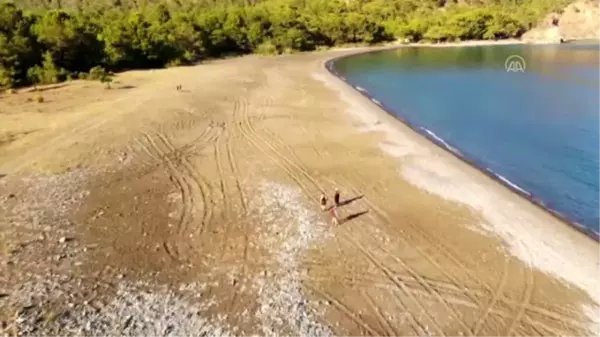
pixel 49 307
pixel 288 231
pixel 34 201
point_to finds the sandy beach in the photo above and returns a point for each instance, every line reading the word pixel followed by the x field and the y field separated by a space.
pixel 146 210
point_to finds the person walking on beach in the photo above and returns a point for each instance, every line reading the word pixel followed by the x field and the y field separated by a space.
pixel 323 202
pixel 336 197
pixel 334 216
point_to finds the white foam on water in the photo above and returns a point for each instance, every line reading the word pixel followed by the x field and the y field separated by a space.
pixel 448 146
pixel 513 185
pixel 527 237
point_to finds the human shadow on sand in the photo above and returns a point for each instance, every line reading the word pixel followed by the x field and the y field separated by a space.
pixel 349 201
pixel 353 216
pixel 49 87
pixel 344 203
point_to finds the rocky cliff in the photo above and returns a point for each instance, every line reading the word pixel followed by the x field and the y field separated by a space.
pixel 580 20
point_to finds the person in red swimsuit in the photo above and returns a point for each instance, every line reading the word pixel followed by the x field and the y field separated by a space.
pixel 334 217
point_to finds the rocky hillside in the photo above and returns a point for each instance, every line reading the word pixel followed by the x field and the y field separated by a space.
pixel 580 20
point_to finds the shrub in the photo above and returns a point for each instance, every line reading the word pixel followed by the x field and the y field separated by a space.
pixel 96 73
pixel 267 48
pixel 100 74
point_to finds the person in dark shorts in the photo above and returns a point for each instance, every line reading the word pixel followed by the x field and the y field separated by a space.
pixel 323 202
pixel 336 197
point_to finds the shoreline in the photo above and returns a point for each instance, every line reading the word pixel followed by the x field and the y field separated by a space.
pixel 527 231
pixel 329 64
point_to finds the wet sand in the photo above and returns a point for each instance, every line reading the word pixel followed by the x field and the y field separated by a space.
pixel 214 191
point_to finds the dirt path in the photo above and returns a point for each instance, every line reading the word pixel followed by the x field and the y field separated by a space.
pixel 147 210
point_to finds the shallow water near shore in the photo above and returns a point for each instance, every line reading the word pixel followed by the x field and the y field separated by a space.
pixel 536 130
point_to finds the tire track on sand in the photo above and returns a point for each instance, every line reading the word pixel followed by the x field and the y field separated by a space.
pixel 497 293
pixel 231 159
pixel 225 165
pixel 432 290
pixel 200 185
pixel 234 170
pixel 223 188
pixel 466 291
pixel 555 313
pixel 368 281
pixel 202 138
pixel 383 322
pixel 345 310
pixel 382 215
pixel 162 150
pixel 529 286
pixel 183 184
pixel 241 108
pixel 264 103
pixel 390 275
pixel 137 155
pixel 221 177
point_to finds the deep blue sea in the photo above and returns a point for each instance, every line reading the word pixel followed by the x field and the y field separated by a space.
pixel 538 128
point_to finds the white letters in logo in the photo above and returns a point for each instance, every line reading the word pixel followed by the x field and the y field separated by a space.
pixel 515 64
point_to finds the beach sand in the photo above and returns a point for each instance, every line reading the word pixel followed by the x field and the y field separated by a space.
pixel 147 210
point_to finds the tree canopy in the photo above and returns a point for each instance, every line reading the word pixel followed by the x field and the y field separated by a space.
pixel 45 41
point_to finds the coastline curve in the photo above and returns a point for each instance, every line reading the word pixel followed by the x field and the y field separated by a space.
pixel 329 65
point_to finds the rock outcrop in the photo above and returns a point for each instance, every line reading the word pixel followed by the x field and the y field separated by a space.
pixel 580 20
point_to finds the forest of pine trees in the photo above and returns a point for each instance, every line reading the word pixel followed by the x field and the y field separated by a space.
pixel 48 41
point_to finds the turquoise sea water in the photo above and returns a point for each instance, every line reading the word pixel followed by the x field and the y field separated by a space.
pixel 538 130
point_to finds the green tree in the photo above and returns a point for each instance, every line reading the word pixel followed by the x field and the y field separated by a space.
pixel 19 49
pixel 49 41
pixel 72 44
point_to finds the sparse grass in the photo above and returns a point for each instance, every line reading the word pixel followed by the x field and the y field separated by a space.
pixel 40 99
pixel 50 315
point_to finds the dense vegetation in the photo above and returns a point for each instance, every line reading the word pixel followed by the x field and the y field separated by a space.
pixel 46 41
